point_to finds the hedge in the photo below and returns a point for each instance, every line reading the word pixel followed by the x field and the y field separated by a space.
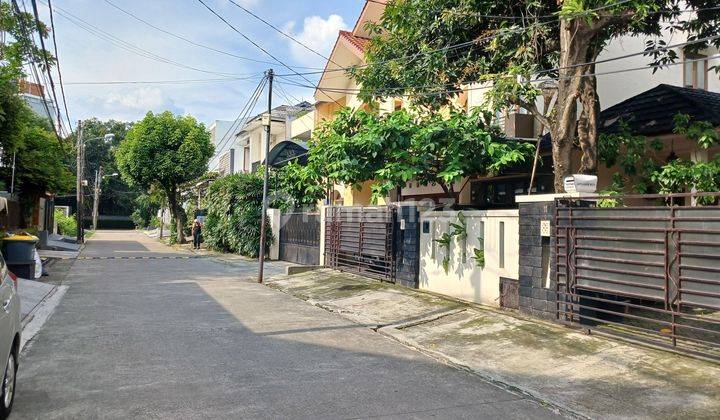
pixel 234 206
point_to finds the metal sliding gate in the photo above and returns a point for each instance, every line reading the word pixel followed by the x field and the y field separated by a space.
pixel 300 238
pixel 360 239
pixel 648 271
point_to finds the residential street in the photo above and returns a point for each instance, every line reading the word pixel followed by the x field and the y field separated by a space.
pixel 159 335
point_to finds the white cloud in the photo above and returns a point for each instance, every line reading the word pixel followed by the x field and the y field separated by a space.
pixel 317 33
pixel 143 98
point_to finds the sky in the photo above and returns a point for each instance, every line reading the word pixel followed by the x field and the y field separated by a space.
pixel 121 53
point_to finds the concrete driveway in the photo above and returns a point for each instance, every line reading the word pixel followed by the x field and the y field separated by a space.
pixel 171 337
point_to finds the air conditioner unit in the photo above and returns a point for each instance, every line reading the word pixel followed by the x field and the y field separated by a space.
pixel 520 125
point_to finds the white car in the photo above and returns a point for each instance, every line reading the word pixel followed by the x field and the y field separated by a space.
pixel 10 329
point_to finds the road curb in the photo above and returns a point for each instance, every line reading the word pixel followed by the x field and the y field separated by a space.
pixel 35 320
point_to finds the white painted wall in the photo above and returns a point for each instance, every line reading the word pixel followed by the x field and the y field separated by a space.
pixel 464 279
pixel 219 131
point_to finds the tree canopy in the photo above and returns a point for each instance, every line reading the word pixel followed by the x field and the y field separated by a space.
pixel 166 151
pixel 430 49
pixel 392 149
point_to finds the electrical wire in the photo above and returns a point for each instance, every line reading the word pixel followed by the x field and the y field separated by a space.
pixel 464 44
pixel 167 82
pixel 240 121
pixel 450 91
pixel 127 46
pixel 281 32
pixel 190 41
pixel 57 66
pixel 34 71
pixel 45 58
pixel 622 57
pixel 258 46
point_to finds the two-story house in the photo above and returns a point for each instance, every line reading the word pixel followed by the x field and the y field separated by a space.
pixel 644 98
pixel 242 147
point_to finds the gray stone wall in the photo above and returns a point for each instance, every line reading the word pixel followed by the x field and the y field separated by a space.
pixel 407 246
pixel 537 255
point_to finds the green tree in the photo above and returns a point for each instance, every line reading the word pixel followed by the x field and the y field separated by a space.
pixel 39 163
pixel 392 149
pixel 430 49
pixel 118 198
pixel 165 151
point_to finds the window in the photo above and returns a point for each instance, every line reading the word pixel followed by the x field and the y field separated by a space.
pixel 246 159
pixel 695 71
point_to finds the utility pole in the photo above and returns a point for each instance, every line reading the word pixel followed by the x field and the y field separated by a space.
pixel 263 218
pixel 12 179
pixel 96 197
pixel 78 185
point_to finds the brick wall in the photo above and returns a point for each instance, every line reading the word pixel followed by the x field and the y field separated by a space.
pixel 535 298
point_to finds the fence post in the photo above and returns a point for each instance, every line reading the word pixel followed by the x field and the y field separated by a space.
pixel 321 209
pixel 274 216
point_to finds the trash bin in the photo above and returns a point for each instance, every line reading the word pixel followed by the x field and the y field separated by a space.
pixel 19 254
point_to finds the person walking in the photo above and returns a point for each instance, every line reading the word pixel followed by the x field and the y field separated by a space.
pixel 196 233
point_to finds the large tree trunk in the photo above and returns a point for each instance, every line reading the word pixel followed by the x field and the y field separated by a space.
pixel 177 213
pixel 574 84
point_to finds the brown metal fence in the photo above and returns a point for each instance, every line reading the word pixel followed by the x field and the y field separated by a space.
pixel 360 239
pixel 648 268
pixel 300 238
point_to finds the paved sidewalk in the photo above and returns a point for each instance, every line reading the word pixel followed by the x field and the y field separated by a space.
pixel 586 375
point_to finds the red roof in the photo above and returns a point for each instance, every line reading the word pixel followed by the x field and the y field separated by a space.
pixel 356 41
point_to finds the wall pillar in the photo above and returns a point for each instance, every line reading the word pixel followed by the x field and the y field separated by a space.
pixel 274 218
pixel 321 210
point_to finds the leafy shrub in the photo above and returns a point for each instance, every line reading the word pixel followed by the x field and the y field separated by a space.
pixel 67 225
pixel 146 208
pixel 234 207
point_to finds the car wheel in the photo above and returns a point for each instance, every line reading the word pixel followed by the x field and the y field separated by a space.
pixel 8 387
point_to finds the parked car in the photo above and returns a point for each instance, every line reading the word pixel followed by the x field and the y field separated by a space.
pixel 10 329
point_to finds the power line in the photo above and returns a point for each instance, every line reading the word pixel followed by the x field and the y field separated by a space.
pixel 464 44
pixel 281 32
pixel 549 79
pixel 190 41
pixel 241 119
pixel 120 43
pixel 169 82
pixel 34 70
pixel 57 66
pixel 45 58
pixel 622 57
pixel 258 46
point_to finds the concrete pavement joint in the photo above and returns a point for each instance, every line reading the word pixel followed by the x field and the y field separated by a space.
pixel 385 331
pixel 450 361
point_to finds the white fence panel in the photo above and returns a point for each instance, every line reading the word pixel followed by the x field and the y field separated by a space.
pixel 494 231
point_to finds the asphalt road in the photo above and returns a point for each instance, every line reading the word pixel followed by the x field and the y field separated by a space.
pixel 167 337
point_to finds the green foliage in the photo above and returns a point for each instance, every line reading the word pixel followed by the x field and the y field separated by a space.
pixel 412 56
pixel 445 240
pixel 460 231
pixel 67 225
pixel 479 253
pixel 146 208
pixel 633 154
pixel 392 149
pixel 165 151
pixel 118 198
pixel 682 176
pixel 234 208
